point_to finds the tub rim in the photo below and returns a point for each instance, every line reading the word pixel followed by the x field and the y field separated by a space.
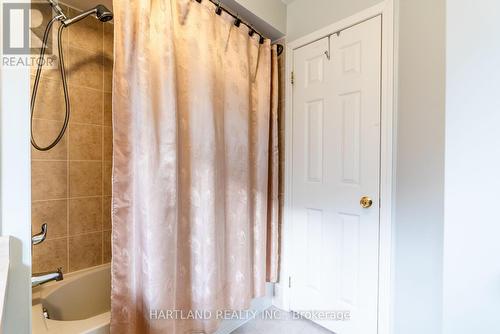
pixel 41 325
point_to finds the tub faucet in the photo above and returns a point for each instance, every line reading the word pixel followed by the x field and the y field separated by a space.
pixel 42 278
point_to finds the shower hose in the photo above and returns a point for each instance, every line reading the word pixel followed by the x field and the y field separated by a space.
pixel 40 63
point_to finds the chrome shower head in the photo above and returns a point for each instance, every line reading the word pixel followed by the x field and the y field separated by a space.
pixel 103 14
pixel 100 11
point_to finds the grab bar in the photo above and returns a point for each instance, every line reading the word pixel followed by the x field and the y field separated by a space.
pixel 40 237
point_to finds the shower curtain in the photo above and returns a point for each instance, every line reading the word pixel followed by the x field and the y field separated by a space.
pixel 195 190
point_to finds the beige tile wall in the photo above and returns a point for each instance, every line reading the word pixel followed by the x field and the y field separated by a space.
pixel 71 184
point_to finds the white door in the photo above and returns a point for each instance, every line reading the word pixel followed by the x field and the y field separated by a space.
pixel 336 162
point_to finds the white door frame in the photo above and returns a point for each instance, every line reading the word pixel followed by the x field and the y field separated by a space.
pixel 387 162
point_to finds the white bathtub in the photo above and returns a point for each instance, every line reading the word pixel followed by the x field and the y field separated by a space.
pixel 78 304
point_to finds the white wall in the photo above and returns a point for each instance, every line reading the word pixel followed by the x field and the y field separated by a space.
pixel 306 16
pixel 266 16
pixel 15 191
pixel 420 167
pixel 271 11
pixel 472 223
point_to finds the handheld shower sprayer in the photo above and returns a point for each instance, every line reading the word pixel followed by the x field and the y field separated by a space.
pixel 102 14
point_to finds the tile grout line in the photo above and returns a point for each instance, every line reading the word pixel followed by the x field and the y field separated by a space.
pixel 60 160
pixel 67 194
pixel 74 123
pixel 77 235
pixel 102 147
pixel 71 85
pixel 68 198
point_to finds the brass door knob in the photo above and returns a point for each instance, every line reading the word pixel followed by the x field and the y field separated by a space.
pixel 366 202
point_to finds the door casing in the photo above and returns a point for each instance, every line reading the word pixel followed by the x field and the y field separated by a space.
pixel 387 159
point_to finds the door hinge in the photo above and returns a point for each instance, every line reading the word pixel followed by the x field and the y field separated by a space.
pixel 289 281
pixel 292 78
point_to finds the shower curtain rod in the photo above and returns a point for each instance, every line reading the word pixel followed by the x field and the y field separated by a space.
pixel 219 9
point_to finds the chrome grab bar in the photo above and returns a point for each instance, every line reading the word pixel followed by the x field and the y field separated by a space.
pixel 40 237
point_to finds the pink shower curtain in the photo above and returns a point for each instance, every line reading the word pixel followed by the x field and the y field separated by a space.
pixel 195 190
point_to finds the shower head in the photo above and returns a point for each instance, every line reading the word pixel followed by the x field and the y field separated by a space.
pixel 101 12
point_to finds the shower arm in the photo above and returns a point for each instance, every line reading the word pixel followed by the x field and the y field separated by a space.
pixel 58 10
pixel 79 17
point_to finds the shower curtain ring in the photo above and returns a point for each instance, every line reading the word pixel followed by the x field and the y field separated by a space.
pixel 237 22
pixel 218 11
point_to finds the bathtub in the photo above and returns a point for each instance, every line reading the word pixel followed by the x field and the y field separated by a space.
pixel 78 304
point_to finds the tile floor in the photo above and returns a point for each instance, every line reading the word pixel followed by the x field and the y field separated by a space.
pixel 284 325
